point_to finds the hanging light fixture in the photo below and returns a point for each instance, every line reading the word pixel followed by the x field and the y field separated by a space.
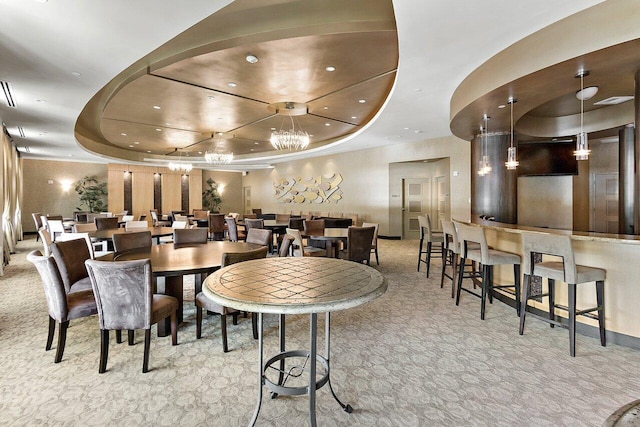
pixel 180 165
pixel 512 158
pixel 292 139
pixel 582 140
pixel 217 157
pixel 485 166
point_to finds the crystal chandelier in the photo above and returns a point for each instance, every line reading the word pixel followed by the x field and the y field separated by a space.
pixel 180 165
pixel 292 139
pixel 582 140
pixel 512 159
pixel 484 167
pixel 218 158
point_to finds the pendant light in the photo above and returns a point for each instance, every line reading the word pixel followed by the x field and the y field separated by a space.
pixel 485 166
pixel 512 158
pixel 582 140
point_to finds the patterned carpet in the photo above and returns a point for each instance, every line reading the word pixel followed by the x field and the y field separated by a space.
pixel 409 358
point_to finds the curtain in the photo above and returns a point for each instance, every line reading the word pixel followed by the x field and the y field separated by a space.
pixel 11 177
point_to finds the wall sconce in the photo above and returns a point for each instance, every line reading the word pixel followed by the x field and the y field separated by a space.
pixel 66 185
pixel 220 188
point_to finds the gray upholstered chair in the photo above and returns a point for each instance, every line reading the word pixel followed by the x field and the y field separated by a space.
pixel 259 236
pixel 314 227
pixel 562 267
pixel 374 242
pixel 216 226
pixel 451 254
pixel 205 303
pixel 38 222
pixel 129 241
pixel 285 245
pixel 124 296
pixel 63 307
pixel 106 223
pixel 359 244
pixel 253 223
pixel 46 240
pixel 427 234
pixel 232 228
pixel 474 247
pixel 70 257
pixel 299 249
pixel 190 236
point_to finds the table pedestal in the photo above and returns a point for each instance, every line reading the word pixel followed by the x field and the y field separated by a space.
pixel 311 359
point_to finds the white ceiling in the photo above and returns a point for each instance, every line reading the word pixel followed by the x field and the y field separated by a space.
pixel 43 43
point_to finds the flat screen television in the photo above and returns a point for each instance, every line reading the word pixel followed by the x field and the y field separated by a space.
pixel 547 158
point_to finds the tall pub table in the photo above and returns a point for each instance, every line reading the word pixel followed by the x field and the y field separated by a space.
pixel 295 285
pixel 170 262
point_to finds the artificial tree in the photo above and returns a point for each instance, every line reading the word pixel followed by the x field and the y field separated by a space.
pixel 211 199
pixel 93 193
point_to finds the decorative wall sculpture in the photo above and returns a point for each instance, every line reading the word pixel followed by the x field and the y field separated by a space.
pixel 321 189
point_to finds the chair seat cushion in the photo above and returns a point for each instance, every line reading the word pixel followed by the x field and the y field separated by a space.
pixel 162 307
pixel 81 285
pixel 497 257
pixel 81 304
pixel 437 237
pixel 555 270
pixel 208 304
pixel 313 251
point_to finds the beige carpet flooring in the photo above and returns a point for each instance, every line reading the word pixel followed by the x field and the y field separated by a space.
pixel 409 358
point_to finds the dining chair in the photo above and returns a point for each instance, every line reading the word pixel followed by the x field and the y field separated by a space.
pixel 99 247
pixel 285 245
pixel 126 218
pixel 56 228
pixel 132 225
pixel 45 237
pixel 62 306
pixel 313 227
pixel 451 254
pixel 374 242
pixel 70 257
pixel 156 221
pixel 282 218
pixel 106 223
pixel 203 302
pixel 125 300
pixel 216 226
pixel 249 216
pixel 257 211
pixel 84 236
pixel 129 241
pixel 37 221
pixel 232 228
pixel 299 249
pixel 253 223
pixel 359 244
pixel 190 236
pixel 259 236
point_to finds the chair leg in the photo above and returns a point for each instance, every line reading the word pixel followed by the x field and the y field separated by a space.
pixel 52 331
pixel 118 336
pixel 516 280
pixel 485 285
pixel 174 328
pixel 454 269
pixel 234 318
pixel 490 284
pixel 104 350
pixel 525 298
pixel 377 259
pixel 198 322
pixel 444 267
pixel 572 319
pixel 254 325
pixel 552 301
pixel 131 335
pixel 147 346
pixel 62 339
pixel 460 274
pixel 600 298
pixel 429 244
pixel 223 326
pixel 420 252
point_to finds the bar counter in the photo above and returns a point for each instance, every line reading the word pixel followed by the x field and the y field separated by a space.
pixel 618 254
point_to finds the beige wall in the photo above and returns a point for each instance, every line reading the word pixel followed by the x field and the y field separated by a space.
pixel 231 194
pixel 546 201
pixel 366 180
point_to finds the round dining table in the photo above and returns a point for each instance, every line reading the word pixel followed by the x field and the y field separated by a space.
pixel 295 285
pixel 171 262
pixel 156 232
pixel 332 238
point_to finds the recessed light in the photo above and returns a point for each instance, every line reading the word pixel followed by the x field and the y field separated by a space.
pixel 256 143
pixel 136 142
pixel 417 90
pixel 417 131
pixel 406 128
pixel 252 149
pixel 353 117
pixel 199 152
pixel 158 129
pixel 168 124
pixel 148 151
pixel 362 101
pixel 501 106
pixel 156 107
pixel 330 68
pixel 232 84
pixel 251 59
pixel 219 133
pixel 41 100
pixel 327 124
pixel 75 73
pixel 70 155
pixel 123 134
pixel 325 108
pixel 130 146
pixel 273 128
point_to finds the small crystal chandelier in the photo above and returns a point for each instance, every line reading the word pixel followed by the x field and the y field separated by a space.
pixel 582 140
pixel 180 165
pixel 484 167
pixel 512 158
pixel 217 157
pixel 292 139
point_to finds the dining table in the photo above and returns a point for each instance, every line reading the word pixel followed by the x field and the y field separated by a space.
pixel 170 263
pixel 156 232
pixel 295 285
pixel 332 238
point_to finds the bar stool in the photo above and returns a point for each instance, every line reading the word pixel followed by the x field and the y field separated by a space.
pixel 431 238
pixel 487 257
pixel 451 254
pixel 565 270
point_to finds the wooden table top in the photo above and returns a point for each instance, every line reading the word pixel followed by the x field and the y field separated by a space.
pixel 172 260
pixel 108 234
pixel 294 285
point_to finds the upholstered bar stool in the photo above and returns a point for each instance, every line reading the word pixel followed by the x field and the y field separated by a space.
pixel 563 268
pixel 431 237
pixel 451 254
pixel 474 247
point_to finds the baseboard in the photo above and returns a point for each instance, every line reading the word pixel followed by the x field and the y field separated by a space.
pixel 389 237
pixel 581 328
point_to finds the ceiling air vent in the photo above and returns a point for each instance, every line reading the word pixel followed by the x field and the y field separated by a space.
pixel 21 131
pixel 614 100
pixel 8 95
pixel 24 149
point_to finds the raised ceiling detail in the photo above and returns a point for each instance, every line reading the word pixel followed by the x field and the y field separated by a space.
pixel 341 72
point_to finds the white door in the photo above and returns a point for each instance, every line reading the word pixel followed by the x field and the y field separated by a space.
pixel 417 201
pixel 605 203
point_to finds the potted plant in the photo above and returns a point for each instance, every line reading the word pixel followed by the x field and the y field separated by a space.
pixel 211 199
pixel 92 193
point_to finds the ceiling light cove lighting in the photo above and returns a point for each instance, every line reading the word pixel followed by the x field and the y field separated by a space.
pixel 292 139
pixel 582 140
pixel 512 158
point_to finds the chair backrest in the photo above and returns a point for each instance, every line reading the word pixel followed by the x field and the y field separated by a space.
pixel 353 217
pixel 314 227
pixel 216 223
pixel 45 221
pixel 107 214
pixel 374 242
pixel 282 217
pixel 175 213
pixel 106 223
pixel 70 257
pixel 260 236
pixel 179 224
pixel 190 236
pixel 55 226
pixel 285 245
pixel 65 237
pixel 233 215
pixel 229 258
pixel 123 292
pixel 250 216
pixel 257 211
pixel 200 213
pixel 127 218
pixel 298 246
pixel 359 243
pixel 450 237
pixel 45 236
pixel 84 228
pixel 37 220
pixel 54 290
pixel 178 217
pixel 468 234
pixel 232 228
pixel 128 241
pixel 55 217
pixel 142 217
pixel 154 215
pixel 130 225
pixel 297 223
pixel 549 244
pixel 253 223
